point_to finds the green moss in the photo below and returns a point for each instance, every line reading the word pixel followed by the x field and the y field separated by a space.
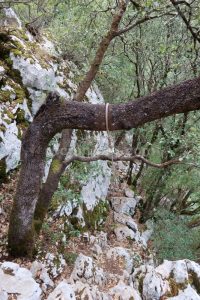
pixel 55 166
pixel 20 116
pixel 9 114
pixel 5 96
pixel 194 280
pixel 70 257
pixel 7 121
pixel 92 218
pixel 2 128
pixel 175 287
pixel 16 52
pixel 3 175
pixel 8 61
pixel 20 246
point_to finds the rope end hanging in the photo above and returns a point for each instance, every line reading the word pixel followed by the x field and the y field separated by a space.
pixel 107 111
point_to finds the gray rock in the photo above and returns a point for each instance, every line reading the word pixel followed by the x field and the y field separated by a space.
pixel 126 220
pixel 86 291
pixel 19 281
pixel 124 292
pixel 3 295
pixel 124 205
pixel 129 193
pixel 122 233
pixel 154 286
pixel 36 267
pixel 63 291
pixel 10 19
pixel 117 252
pixel 85 270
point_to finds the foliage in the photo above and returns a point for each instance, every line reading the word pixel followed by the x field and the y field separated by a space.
pixel 172 238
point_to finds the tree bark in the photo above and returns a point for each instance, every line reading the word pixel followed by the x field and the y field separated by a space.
pixel 59 115
pixel 48 188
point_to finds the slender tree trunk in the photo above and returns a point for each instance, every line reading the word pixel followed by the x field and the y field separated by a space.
pixel 50 186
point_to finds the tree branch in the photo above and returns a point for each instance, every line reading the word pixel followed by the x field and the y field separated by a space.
pixel 139 22
pixel 103 46
pixel 187 23
pixel 123 158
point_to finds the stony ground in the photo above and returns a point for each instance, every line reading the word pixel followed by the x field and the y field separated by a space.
pixel 112 263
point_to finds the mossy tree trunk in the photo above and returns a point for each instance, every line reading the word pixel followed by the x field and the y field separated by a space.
pixel 48 188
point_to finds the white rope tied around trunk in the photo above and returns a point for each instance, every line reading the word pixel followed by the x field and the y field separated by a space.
pixel 110 140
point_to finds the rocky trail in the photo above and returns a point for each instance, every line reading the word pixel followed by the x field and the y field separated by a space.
pixel 104 259
pixel 113 263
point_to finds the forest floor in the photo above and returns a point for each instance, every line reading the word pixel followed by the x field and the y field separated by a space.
pixel 49 242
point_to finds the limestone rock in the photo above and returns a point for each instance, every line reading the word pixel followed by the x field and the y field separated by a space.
pixel 85 270
pixel 154 286
pixel 85 291
pixel 129 193
pixel 10 19
pixel 3 295
pixel 119 252
pixel 126 220
pixel 19 281
pixel 63 291
pixel 124 205
pixel 124 292
pixel 122 233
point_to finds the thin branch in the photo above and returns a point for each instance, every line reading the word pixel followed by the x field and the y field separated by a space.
pixel 126 159
pixel 103 46
pixel 187 23
pixel 141 21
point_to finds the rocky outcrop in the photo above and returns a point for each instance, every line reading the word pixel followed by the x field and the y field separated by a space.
pixel 105 270
pixel 29 70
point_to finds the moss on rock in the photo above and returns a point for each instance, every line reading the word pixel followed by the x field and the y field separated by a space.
pixel 94 218
pixel 3 175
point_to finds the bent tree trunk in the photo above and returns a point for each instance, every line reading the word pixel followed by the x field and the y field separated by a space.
pixel 60 115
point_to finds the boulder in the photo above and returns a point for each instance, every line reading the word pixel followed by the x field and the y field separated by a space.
pixel 124 292
pixel 124 205
pixel 63 291
pixel 18 281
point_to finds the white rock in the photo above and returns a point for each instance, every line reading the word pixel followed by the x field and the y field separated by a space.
pixel 124 292
pixel 126 220
pixel 179 271
pixel 193 269
pixel 86 291
pixel 117 252
pixel 2 70
pixel 124 205
pixel 129 193
pixel 16 280
pixel 35 268
pixel 10 19
pixel 10 146
pixel 63 291
pixel 122 233
pixel 9 267
pixel 85 270
pixel 174 269
pixel 44 276
pixel 3 295
pixel 154 286
pixel 97 251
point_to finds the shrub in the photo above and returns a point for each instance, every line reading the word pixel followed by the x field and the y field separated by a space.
pixel 172 239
